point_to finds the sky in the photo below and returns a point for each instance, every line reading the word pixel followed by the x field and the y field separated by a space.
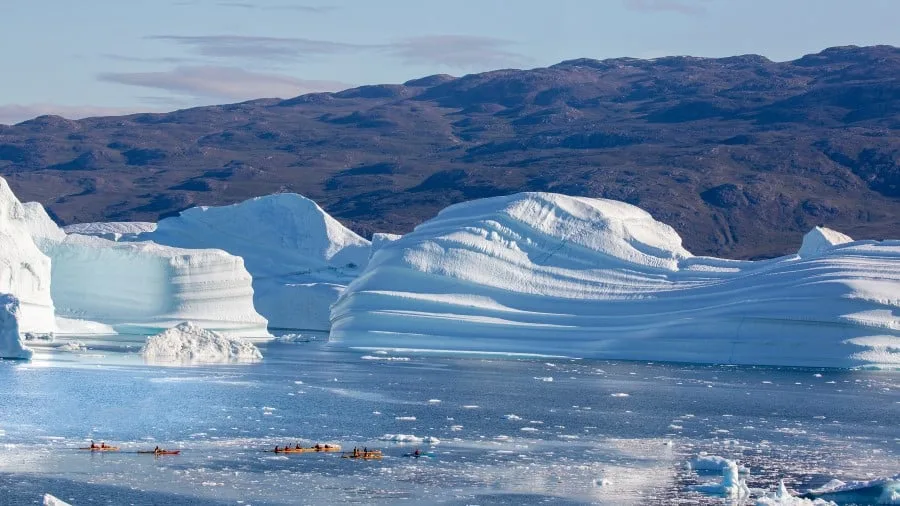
pixel 102 57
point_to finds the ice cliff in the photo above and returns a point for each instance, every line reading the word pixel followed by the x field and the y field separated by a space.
pixel 139 287
pixel 24 269
pixel 11 345
pixel 300 257
pixel 552 274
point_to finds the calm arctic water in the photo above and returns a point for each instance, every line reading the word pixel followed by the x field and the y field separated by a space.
pixel 511 430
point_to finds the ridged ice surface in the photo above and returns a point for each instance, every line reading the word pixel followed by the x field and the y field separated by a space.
pixel 140 287
pixel 300 257
pixel 552 274
pixel 11 345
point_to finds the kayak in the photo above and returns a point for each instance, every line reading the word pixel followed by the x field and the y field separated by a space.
pixel 107 449
pixel 420 455
pixel 376 455
pixel 160 452
pixel 311 449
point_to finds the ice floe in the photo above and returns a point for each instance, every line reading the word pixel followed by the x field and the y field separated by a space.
pixel 11 343
pixel 187 342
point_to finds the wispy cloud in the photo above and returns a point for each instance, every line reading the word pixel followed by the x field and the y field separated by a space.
pixel 311 9
pixel 228 83
pixel 14 113
pixel 459 51
pixel 687 7
pixel 146 59
pixel 250 47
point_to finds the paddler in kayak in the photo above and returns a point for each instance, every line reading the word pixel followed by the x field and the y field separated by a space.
pixel 417 453
pixel 104 445
pixel 94 446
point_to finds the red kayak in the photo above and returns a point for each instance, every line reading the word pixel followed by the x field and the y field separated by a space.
pixel 160 452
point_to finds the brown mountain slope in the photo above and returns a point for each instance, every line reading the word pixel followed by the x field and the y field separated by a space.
pixel 741 155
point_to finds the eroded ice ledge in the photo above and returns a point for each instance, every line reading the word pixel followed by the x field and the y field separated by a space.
pixel 559 275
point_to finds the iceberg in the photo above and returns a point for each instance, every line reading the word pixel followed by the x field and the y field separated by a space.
pixel 11 345
pixel 50 500
pixel 731 486
pixel 140 287
pixel 186 342
pixel 782 497
pixel 300 257
pixel 112 230
pixel 876 491
pixel 24 269
pixel 558 275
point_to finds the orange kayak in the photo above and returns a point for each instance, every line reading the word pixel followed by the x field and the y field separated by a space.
pixel 311 449
pixel 373 455
pixel 160 452
pixel 107 449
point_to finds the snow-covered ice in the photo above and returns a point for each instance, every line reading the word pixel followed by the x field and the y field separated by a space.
pixel 187 342
pixel 573 276
pixel 300 257
pixel 140 286
pixel 112 230
pixel 731 485
pixel 11 345
pixel 713 463
pixel 50 500
pixel 878 491
pixel 24 269
pixel 782 497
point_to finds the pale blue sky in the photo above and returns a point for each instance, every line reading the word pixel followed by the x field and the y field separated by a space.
pixel 78 58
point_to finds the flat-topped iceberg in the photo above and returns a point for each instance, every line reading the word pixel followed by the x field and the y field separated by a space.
pixel 140 287
pixel 186 342
pixel 300 257
pixel 552 274
pixel 11 345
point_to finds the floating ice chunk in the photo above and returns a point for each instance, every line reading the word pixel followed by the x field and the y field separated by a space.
pixel 512 417
pixel 405 418
pixel 72 346
pixel 547 379
pixel 732 485
pixel 434 401
pixel 782 497
pixel 50 500
pixel 187 342
pixel 72 326
pixel 11 343
pixel 409 438
pixel 877 491
pixel 619 394
pixel 713 463
pixel 387 359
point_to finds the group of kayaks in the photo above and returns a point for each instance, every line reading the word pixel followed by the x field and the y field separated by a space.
pixel 357 453
pixel 103 447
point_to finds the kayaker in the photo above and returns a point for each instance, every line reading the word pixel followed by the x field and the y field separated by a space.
pixel 417 452
pixel 93 445
pixel 156 450
pixel 104 445
pixel 277 449
pixel 297 447
pixel 318 446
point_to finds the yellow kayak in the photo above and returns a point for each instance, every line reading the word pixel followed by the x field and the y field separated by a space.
pixel 101 449
pixel 373 455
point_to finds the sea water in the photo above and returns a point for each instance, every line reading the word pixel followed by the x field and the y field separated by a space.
pixel 495 430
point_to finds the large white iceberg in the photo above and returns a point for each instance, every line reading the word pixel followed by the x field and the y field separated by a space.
pixel 11 345
pixel 140 287
pixel 186 342
pixel 553 274
pixel 24 269
pixel 300 257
